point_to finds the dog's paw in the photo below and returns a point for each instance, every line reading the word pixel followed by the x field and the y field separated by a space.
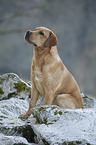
pixel 22 116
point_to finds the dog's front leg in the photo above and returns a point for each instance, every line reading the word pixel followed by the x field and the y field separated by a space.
pixel 33 101
pixel 49 97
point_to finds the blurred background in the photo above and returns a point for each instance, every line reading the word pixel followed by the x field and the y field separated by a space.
pixel 74 23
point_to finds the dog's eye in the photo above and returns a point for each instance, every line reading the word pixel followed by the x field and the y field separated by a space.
pixel 41 33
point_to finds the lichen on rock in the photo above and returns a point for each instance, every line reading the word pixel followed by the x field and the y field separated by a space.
pixel 48 124
pixel 1 91
pixel 47 114
pixel 69 127
pixel 12 86
pixel 55 125
pixel 20 86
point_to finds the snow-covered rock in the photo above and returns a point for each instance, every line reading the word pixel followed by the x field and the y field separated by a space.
pixel 13 140
pixel 48 124
pixel 55 125
pixel 12 86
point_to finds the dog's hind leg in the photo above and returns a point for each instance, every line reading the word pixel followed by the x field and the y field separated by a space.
pixel 66 101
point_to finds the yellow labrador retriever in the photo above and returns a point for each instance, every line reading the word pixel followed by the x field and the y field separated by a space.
pixel 50 77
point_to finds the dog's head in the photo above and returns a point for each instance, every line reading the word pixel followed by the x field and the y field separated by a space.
pixel 41 37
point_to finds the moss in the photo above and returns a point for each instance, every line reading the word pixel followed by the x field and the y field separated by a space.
pixel 21 86
pixel 56 112
pixel 29 83
pixel 45 142
pixel 54 108
pixel 75 143
pixel 41 109
pixel 10 75
pixel 66 112
pixel 45 121
pixel 71 143
pixel 55 120
pixel 78 142
pixel 2 80
pixel 60 112
pixel 12 95
pixel 85 96
pixel 1 91
pixel 37 119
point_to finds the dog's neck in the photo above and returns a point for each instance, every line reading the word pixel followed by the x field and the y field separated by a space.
pixel 38 51
pixel 41 53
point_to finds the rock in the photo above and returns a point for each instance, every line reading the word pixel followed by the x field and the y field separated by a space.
pixel 88 102
pixel 10 124
pixel 14 100
pixel 55 125
pixel 50 124
pixel 10 140
pixel 14 94
pixel 12 86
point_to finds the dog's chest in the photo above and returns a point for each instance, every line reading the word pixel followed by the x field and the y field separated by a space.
pixel 38 79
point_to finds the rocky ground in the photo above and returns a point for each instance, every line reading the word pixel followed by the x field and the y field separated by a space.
pixel 48 125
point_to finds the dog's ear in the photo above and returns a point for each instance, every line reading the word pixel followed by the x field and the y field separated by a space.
pixel 51 40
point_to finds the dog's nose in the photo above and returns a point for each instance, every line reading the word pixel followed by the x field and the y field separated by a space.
pixel 28 33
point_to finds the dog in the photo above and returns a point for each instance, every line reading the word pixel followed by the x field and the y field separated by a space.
pixel 50 77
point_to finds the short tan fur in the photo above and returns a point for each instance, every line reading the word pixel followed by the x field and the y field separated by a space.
pixel 49 76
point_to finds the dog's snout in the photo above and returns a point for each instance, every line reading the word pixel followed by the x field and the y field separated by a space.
pixel 28 33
